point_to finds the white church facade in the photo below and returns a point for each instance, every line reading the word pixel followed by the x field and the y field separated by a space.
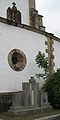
pixel 22 35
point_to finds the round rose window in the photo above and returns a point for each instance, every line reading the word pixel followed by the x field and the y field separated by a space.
pixel 17 59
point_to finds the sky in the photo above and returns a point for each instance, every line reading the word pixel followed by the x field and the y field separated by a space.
pixel 50 9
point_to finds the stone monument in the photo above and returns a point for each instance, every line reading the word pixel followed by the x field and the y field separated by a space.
pixel 31 93
pixel 13 14
pixel 30 99
pixel 44 99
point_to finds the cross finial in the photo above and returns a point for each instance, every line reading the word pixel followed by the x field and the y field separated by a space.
pixel 14 3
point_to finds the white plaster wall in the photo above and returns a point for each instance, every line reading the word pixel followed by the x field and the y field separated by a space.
pixel 27 41
pixel 57 54
pixel 22 5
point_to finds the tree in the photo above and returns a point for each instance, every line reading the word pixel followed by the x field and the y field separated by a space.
pixel 42 63
pixel 52 86
pixel 52 82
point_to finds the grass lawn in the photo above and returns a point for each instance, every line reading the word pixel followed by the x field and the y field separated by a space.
pixel 5 115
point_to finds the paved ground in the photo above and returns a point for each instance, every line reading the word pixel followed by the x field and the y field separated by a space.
pixel 7 116
pixel 54 117
pixel 49 117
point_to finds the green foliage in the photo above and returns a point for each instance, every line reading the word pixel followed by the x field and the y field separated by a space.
pixel 52 86
pixel 42 63
pixel 52 82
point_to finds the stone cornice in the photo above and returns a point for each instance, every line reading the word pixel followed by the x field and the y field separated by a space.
pixel 9 22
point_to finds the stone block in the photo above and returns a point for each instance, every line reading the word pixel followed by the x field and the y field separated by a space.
pixel 44 99
pixel 17 99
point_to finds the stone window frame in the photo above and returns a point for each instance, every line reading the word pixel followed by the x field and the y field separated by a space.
pixel 17 66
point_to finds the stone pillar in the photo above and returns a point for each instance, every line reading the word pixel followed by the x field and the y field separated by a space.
pixel 33 14
pixel 40 23
pixel 33 18
pixel 26 94
pixel 32 4
pixel 30 93
pixel 49 51
pixel 40 20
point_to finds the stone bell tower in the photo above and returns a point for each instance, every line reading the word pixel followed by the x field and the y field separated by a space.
pixel 32 4
pixel 35 20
